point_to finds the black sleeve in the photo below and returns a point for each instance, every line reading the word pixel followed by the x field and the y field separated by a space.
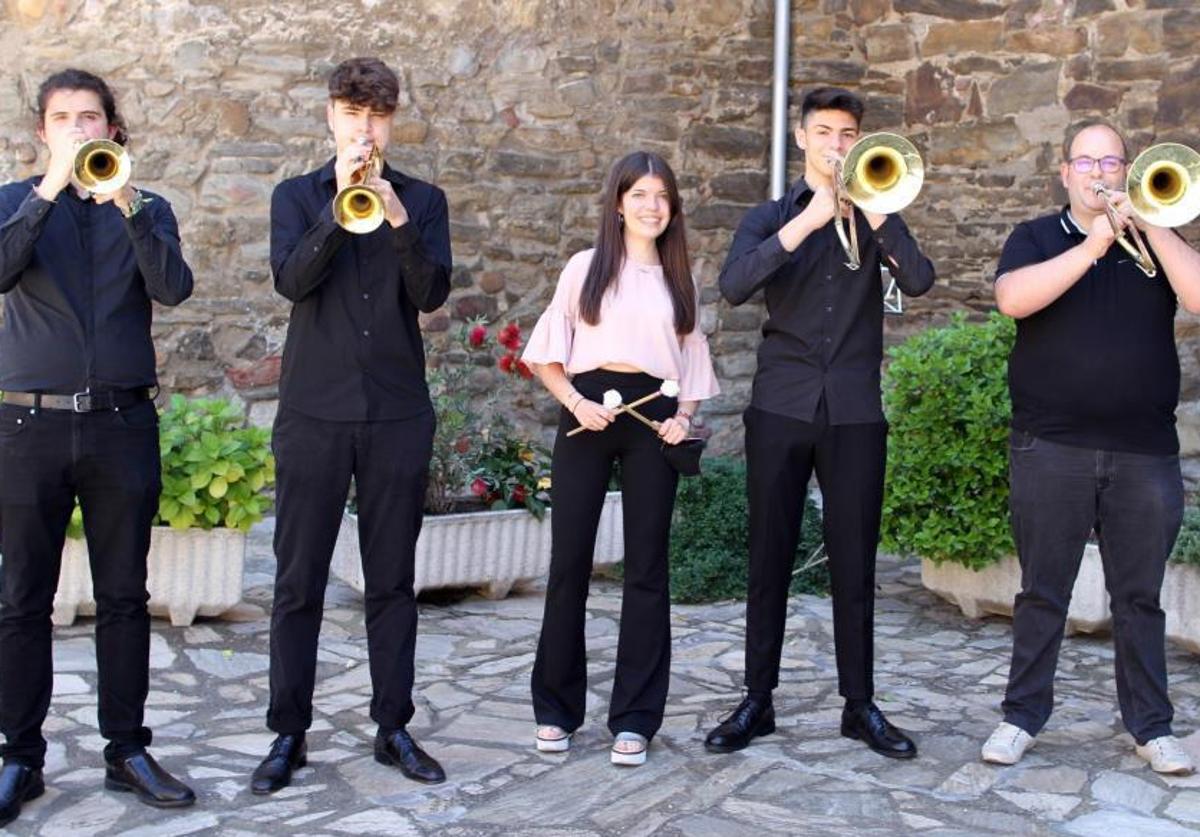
pixel 755 255
pixel 912 270
pixel 1020 250
pixel 423 247
pixel 21 221
pixel 300 253
pixel 155 236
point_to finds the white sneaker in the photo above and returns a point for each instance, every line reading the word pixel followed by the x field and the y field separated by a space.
pixel 1006 745
pixel 551 739
pixel 1166 756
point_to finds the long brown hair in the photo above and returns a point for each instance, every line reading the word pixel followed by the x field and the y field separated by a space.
pixel 610 242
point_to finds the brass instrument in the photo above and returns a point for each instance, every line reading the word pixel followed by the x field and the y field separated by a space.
pixel 881 173
pixel 1163 185
pixel 101 166
pixel 359 208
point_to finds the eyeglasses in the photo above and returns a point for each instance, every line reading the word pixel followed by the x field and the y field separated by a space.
pixel 1087 165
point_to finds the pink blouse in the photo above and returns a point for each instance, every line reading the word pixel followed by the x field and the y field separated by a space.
pixel 637 328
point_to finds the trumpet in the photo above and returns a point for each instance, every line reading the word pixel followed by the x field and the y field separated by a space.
pixel 881 173
pixel 1162 185
pixel 101 166
pixel 359 208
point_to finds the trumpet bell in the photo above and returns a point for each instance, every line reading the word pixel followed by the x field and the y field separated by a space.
pixel 358 209
pixel 101 166
pixel 1164 184
pixel 883 173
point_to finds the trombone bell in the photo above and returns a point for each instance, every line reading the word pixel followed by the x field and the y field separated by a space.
pixel 101 166
pixel 883 173
pixel 1164 184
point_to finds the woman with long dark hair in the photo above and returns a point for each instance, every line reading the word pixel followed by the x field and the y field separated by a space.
pixel 622 326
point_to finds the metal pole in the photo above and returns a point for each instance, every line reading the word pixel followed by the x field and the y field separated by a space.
pixel 779 99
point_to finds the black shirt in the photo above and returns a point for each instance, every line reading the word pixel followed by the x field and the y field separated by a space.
pixel 354 350
pixel 1097 367
pixel 824 330
pixel 78 278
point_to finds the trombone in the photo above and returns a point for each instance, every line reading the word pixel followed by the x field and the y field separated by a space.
pixel 881 173
pixel 359 208
pixel 1162 185
pixel 101 166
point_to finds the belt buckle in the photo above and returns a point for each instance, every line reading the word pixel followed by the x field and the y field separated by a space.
pixel 81 402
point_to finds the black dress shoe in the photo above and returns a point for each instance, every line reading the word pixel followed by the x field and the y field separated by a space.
pixel 398 749
pixel 18 783
pixel 140 774
pixel 275 772
pixel 867 724
pixel 751 719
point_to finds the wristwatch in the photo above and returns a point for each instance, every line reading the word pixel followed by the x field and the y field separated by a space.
pixel 135 205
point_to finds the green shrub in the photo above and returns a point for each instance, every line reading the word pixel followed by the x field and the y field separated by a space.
pixel 1187 545
pixel 710 538
pixel 946 397
pixel 214 467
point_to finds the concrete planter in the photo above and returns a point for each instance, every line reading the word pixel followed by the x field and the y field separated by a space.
pixel 992 590
pixel 190 573
pixel 493 550
pixel 1180 600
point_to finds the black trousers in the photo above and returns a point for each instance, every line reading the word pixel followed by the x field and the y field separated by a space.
pixel 580 472
pixel 110 461
pixel 1058 495
pixel 315 460
pixel 849 459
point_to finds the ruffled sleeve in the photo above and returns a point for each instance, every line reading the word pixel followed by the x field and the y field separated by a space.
pixel 697 380
pixel 552 337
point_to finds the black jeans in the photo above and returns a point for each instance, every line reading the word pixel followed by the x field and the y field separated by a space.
pixel 849 459
pixel 580 472
pixel 315 459
pixel 1059 494
pixel 110 461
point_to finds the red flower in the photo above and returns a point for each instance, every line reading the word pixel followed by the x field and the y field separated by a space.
pixel 477 336
pixel 506 363
pixel 523 370
pixel 479 487
pixel 463 444
pixel 510 337
pixel 518 494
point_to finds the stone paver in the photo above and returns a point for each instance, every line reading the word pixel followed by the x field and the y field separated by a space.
pixel 938 675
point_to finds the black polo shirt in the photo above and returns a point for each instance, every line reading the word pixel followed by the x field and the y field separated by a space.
pixel 1096 368
pixel 354 350
pixel 78 278
pixel 823 336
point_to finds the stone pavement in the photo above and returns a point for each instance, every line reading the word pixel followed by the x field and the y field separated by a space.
pixel 938 676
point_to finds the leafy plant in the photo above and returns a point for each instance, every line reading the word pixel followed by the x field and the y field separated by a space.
pixel 474 445
pixel 710 539
pixel 214 467
pixel 1187 545
pixel 946 397
pixel 512 473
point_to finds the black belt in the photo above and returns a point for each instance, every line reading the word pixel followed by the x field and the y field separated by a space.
pixel 80 402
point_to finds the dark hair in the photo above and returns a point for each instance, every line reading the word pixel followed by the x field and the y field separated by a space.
pixel 832 98
pixel 74 79
pixel 610 242
pixel 366 82
pixel 1077 128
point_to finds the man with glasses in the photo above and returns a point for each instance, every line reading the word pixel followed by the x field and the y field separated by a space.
pixel 1094 379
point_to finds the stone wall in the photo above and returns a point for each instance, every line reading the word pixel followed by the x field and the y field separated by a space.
pixel 517 107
